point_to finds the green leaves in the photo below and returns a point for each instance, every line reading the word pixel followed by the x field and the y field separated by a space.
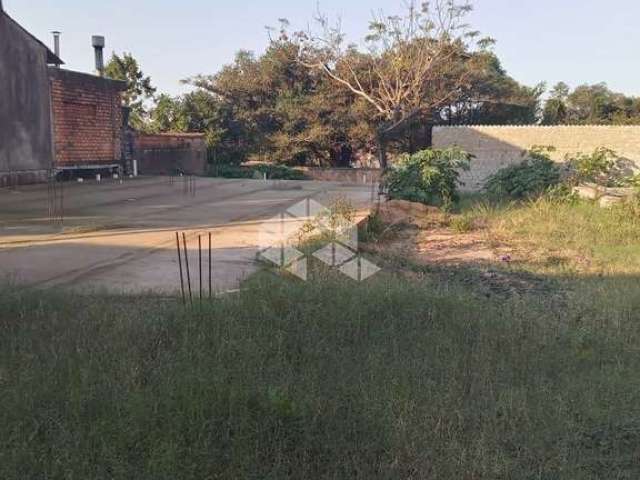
pixel 139 87
pixel 429 176
pixel 590 105
pixel 599 167
pixel 535 175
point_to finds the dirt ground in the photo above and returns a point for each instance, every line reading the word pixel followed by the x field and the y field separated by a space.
pixel 120 236
pixel 423 234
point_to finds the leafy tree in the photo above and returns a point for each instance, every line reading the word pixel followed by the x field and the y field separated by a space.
pixel 414 63
pixel 139 88
pixel 307 102
pixel 197 111
pixel 491 96
pixel 590 104
pixel 169 115
pixel 555 108
pixel 272 108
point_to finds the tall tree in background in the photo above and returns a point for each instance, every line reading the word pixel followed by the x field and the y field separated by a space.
pixel 590 104
pixel 490 96
pixel 555 108
pixel 168 114
pixel 139 88
pixel 306 101
pixel 413 66
pixel 272 108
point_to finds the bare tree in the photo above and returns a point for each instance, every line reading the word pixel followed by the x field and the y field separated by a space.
pixel 414 62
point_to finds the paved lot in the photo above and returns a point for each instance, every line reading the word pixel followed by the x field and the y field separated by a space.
pixel 120 237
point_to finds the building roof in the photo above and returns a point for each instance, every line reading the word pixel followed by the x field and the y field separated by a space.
pixel 52 58
pixel 81 78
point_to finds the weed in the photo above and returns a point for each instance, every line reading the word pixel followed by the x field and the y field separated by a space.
pixel 462 223
pixel 529 371
pixel 325 379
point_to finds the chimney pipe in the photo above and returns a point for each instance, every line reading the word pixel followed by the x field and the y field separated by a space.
pixel 56 44
pixel 98 45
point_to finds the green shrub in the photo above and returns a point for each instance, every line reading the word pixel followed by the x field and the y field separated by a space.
pixel 279 172
pixel 562 192
pixel 429 176
pixel 533 176
pixel 230 171
pixel 635 182
pixel 601 167
pixel 273 172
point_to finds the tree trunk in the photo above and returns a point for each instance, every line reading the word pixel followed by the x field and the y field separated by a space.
pixel 428 130
pixel 382 150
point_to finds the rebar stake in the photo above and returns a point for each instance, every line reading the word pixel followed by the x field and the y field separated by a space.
pixel 186 262
pixel 184 298
pixel 209 265
pixel 200 267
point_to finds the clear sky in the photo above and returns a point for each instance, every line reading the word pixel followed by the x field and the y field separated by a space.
pixel 577 41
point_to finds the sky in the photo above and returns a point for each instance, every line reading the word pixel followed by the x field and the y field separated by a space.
pixel 575 41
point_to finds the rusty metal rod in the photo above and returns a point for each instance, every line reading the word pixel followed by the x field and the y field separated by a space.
pixel 186 262
pixel 184 298
pixel 62 201
pixel 49 193
pixel 200 266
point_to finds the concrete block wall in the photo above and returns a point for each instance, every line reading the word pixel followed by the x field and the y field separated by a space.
pixel 345 175
pixel 87 118
pixel 496 147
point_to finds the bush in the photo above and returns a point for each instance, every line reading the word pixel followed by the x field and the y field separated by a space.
pixel 429 176
pixel 533 176
pixel 230 171
pixel 601 167
pixel 273 172
pixel 562 192
pixel 279 172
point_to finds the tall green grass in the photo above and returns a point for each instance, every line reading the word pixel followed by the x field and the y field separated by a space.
pixel 325 379
pixel 564 237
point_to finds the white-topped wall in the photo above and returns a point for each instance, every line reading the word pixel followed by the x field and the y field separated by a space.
pixel 495 147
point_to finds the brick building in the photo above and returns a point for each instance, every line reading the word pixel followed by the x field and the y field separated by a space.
pixel 53 119
pixel 25 114
pixel 87 120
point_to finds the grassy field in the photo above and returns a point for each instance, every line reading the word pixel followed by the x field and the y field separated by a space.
pixel 556 237
pixel 392 378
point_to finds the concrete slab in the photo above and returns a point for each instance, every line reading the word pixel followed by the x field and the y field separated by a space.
pixel 120 237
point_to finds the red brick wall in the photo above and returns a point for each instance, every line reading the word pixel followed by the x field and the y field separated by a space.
pixel 168 153
pixel 87 118
pixel 170 140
